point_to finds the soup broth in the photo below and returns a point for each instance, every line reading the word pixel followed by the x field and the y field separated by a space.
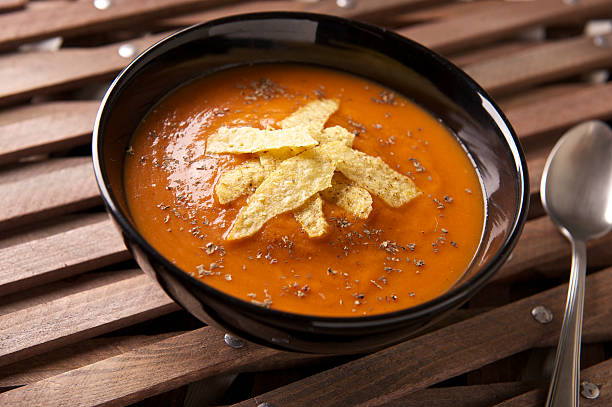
pixel 395 258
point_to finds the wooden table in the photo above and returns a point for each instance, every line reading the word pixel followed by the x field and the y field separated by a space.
pixel 81 325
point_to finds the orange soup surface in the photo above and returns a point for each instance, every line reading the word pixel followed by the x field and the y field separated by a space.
pixel 396 258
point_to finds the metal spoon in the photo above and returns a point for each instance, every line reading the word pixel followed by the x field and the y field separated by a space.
pixel 576 191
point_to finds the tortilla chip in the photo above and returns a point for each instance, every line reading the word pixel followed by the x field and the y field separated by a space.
pixel 373 174
pixel 238 181
pixel 238 140
pixel 269 160
pixel 293 182
pixel 311 217
pixel 355 200
pixel 336 133
pixel 314 114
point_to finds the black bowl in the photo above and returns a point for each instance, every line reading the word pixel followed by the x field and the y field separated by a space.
pixel 364 50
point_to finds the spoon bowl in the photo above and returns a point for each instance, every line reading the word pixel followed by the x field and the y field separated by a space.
pixel 577 182
pixel 576 192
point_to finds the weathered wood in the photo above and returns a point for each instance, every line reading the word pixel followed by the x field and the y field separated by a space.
pixel 72 357
pixel 87 247
pixel 600 374
pixel 497 20
pixel 31 331
pixel 10 5
pixel 37 191
pixel 150 370
pixel 45 128
pixel 24 76
pixel 389 375
pixel 81 17
pixel 540 64
pixel 379 11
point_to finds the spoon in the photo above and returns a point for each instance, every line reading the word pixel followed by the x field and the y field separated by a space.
pixel 576 192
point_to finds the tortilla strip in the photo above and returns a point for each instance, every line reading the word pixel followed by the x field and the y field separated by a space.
pixel 311 217
pixel 373 174
pixel 238 181
pixel 288 187
pixel 336 133
pixel 314 114
pixel 238 140
pixel 354 199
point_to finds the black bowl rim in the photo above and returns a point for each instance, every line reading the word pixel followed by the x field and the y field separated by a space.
pixel 454 296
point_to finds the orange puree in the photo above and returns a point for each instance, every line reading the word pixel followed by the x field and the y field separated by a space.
pixel 394 259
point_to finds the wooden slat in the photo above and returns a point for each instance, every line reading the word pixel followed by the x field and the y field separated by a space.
pixel 72 357
pixel 600 374
pixel 150 370
pixel 80 17
pixel 559 113
pixel 77 250
pixel 33 330
pixel 379 10
pixel 539 64
pixel 44 128
pixel 45 189
pixel 24 76
pixel 499 20
pixel 391 374
pixel 10 5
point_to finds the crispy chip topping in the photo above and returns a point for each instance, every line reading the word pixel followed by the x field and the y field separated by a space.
pixel 239 181
pixel 238 140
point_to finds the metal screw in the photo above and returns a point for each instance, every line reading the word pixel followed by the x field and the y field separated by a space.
pixel 265 404
pixel 127 50
pixel 542 314
pixel 346 3
pixel 233 341
pixel 571 2
pixel 589 390
pixel 102 4
pixel 601 41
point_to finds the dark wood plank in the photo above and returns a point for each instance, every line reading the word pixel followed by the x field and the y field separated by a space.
pixel 73 357
pixel 10 5
pixel 150 370
pixel 44 128
pixel 24 75
pixel 72 318
pixel 389 375
pixel 540 64
pixel 73 18
pixel 95 244
pixel 600 374
pixel 37 191
pixel 495 20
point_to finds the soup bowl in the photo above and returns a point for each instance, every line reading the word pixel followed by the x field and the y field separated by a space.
pixel 366 51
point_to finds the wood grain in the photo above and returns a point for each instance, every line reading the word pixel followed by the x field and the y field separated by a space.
pixel 24 76
pixel 77 250
pixel 389 375
pixel 80 17
pixel 495 20
pixel 600 374
pixel 36 191
pixel 31 331
pixel 45 128
pixel 10 5
pixel 72 357
pixel 540 64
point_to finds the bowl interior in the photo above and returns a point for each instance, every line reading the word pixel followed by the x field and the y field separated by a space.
pixel 375 54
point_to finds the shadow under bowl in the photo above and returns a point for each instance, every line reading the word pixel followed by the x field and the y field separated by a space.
pixel 367 51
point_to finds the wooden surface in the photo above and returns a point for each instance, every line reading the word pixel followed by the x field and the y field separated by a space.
pixel 81 325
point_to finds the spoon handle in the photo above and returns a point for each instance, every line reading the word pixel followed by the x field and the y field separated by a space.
pixel 563 391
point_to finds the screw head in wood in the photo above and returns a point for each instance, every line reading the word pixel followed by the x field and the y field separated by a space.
pixel 589 390
pixel 233 341
pixel 542 314
pixel 346 3
pixel 265 404
pixel 601 41
pixel 127 51
pixel 571 2
pixel 102 4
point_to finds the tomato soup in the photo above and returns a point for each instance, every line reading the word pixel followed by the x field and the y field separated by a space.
pixel 395 258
